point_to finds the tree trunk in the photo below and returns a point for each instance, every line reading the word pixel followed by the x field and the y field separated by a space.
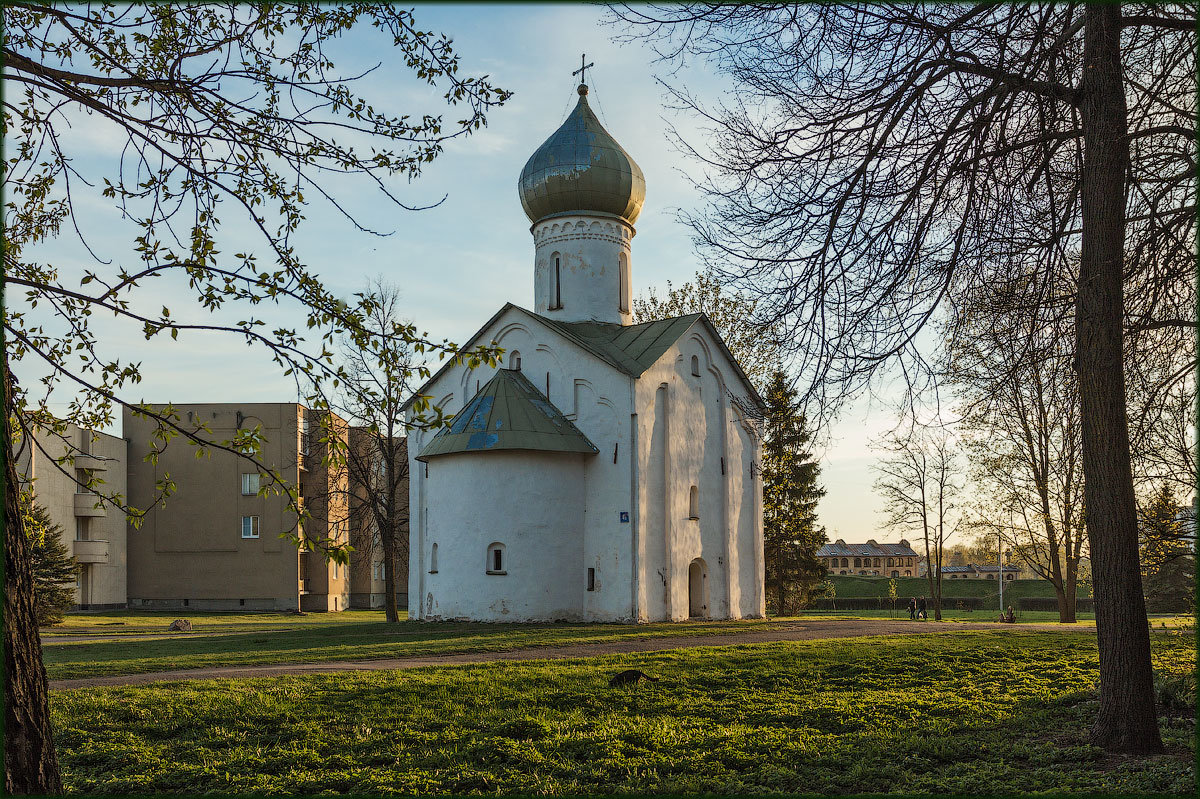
pixel 1069 590
pixel 30 765
pixel 389 574
pixel 1066 608
pixel 1127 721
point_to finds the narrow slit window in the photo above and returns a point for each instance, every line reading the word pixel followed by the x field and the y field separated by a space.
pixel 623 288
pixel 557 282
pixel 694 503
pixel 591 583
pixel 495 560
pixel 515 361
pixel 433 560
pixel 696 365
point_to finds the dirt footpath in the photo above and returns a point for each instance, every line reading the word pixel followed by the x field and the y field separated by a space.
pixel 800 631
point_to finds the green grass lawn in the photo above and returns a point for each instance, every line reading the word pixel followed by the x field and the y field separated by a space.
pixel 344 637
pixel 146 622
pixel 966 712
pixel 1023 616
pixel 847 586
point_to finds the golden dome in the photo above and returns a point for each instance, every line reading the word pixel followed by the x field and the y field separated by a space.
pixel 581 168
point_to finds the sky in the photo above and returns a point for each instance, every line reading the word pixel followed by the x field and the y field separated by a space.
pixel 457 263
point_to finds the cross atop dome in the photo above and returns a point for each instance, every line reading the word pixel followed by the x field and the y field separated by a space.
pixel 581 72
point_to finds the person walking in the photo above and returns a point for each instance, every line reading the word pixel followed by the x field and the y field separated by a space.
pixel 912 609
pixel 922 609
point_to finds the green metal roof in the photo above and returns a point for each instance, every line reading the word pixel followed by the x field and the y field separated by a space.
pixel 508 413
pixel 631 349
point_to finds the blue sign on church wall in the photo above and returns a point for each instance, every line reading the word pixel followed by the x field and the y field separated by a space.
pixel 624 517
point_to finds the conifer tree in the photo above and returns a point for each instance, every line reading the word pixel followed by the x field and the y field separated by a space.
pixel 54 569
pixel 1167 554
pixel 791 535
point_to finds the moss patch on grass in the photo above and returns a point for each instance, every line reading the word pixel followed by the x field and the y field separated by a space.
pixel 968 712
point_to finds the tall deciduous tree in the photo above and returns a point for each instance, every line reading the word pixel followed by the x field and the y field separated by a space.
pixel 371 397
pixel 1009 357
pixel 791 535
pixel 876 160
pixel 211 111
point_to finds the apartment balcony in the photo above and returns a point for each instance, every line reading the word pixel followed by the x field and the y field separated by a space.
pixel 91 462
pixel 85 505
pixel 91 551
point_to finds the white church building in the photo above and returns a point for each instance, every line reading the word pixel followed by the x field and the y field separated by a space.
pixel 606 471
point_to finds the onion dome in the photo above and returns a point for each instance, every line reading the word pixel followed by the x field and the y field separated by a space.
pixel 581 169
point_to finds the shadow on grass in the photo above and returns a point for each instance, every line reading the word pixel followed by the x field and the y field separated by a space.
pixel 936 714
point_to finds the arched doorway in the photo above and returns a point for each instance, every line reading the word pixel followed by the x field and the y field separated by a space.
pixel 698 589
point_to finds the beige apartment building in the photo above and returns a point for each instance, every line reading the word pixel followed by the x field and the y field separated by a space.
pixel 94 531
pixel 214 544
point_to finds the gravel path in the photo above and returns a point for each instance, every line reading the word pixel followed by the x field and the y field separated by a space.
pixel 794 632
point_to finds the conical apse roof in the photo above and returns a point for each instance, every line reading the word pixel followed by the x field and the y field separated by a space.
pixel 581 168
pixel 508 413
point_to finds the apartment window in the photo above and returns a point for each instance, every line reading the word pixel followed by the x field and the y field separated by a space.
pixel 304 435
pixel 591 580
pixel 694 503
pixel 250 484
pixel 81 528
pixel 495 559
pixel 249 527
pixel 81 478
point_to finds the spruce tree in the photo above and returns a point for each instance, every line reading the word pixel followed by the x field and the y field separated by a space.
pixel 54 569
pixel 791 535
pixel 1167 554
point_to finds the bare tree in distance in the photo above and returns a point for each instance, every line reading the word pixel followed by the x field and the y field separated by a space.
pixel 876 160
pixel 1010 362
pixel 219 111
pixel 919 481
pixel 371 396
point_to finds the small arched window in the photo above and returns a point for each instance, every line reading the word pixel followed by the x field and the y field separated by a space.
pixel 694 503
pixel 845 563
pixel 890 563
pixel 514 360
pixel 433 560
pixel 858 563
pixel 696 365
pixel 623 281
pixel 495 563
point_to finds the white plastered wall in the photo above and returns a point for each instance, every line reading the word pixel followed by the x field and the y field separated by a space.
pixel 689 426
pixel 597 399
